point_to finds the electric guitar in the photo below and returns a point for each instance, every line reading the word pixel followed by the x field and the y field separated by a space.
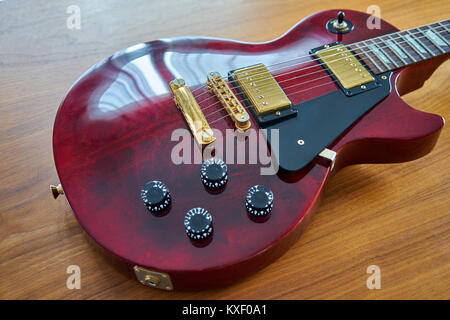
pixel 194 162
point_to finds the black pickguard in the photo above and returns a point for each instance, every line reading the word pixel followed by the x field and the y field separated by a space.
pixel 320 121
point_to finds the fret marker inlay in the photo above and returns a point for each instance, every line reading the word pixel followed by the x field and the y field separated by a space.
pixel 415 44
pixel 434 38
pixel 397 49
pixel 379 54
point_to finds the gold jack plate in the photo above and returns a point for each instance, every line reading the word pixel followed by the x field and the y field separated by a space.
pixel 153 279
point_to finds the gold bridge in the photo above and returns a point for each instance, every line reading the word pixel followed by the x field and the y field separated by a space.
pixel 194 116
pixel 347 69
pixel 262 89
pixel 237 112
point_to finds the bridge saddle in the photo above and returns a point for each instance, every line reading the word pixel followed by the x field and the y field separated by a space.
pixel 218 86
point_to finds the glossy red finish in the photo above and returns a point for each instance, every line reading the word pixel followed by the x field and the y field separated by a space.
pixel 113 130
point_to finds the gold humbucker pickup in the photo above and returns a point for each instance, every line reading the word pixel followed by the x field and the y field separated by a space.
pixel 346 68
pixel 262 89
pixel 186 102
pixel 218 86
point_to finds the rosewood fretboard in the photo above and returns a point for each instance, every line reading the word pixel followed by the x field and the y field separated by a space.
pixel 403 48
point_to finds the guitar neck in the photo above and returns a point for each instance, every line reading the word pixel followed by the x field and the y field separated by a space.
pixel 399 49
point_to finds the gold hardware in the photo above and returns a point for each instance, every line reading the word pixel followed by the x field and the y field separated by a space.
pixel 262 83
pixel 56 190
pixel 340 26
pixel 329 155
pixel 383 77
pixel 237 112
pixel 348 76
pixel 154 279
pixel 186 102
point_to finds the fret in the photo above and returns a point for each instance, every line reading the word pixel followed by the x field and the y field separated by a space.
pixel 418 45
pixel 429 39
pixel 446 27
pixel 443 26
pixel 387 52
pixel 372 60
pixel 380 55
pixel 444 33
pixel 408 47
pixel 403 47
pixel 433 39
pixel 423 40
pixel 396 49
pixel 437 36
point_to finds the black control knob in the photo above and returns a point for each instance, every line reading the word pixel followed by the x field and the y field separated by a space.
pixel 198 223
pixel 259 201
pixel 156 196
pixel 214 173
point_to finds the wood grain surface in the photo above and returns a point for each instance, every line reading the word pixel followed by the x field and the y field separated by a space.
pixel 393 216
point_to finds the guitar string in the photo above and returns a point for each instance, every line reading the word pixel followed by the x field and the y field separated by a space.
pixel 285 88
pixel 252 106
pixel 292 93
pixel 368 63
pixel 309 55
pixel 289 94
pixel 303 75
pixel 381 45
pixel 247 99
pixel 320 64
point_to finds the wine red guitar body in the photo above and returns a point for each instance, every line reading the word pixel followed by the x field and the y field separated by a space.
pixel 112 134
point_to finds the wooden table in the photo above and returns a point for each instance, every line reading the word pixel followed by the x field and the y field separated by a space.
pixel 393 216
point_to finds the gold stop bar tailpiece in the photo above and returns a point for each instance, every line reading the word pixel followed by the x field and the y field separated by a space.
pixel 194 116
